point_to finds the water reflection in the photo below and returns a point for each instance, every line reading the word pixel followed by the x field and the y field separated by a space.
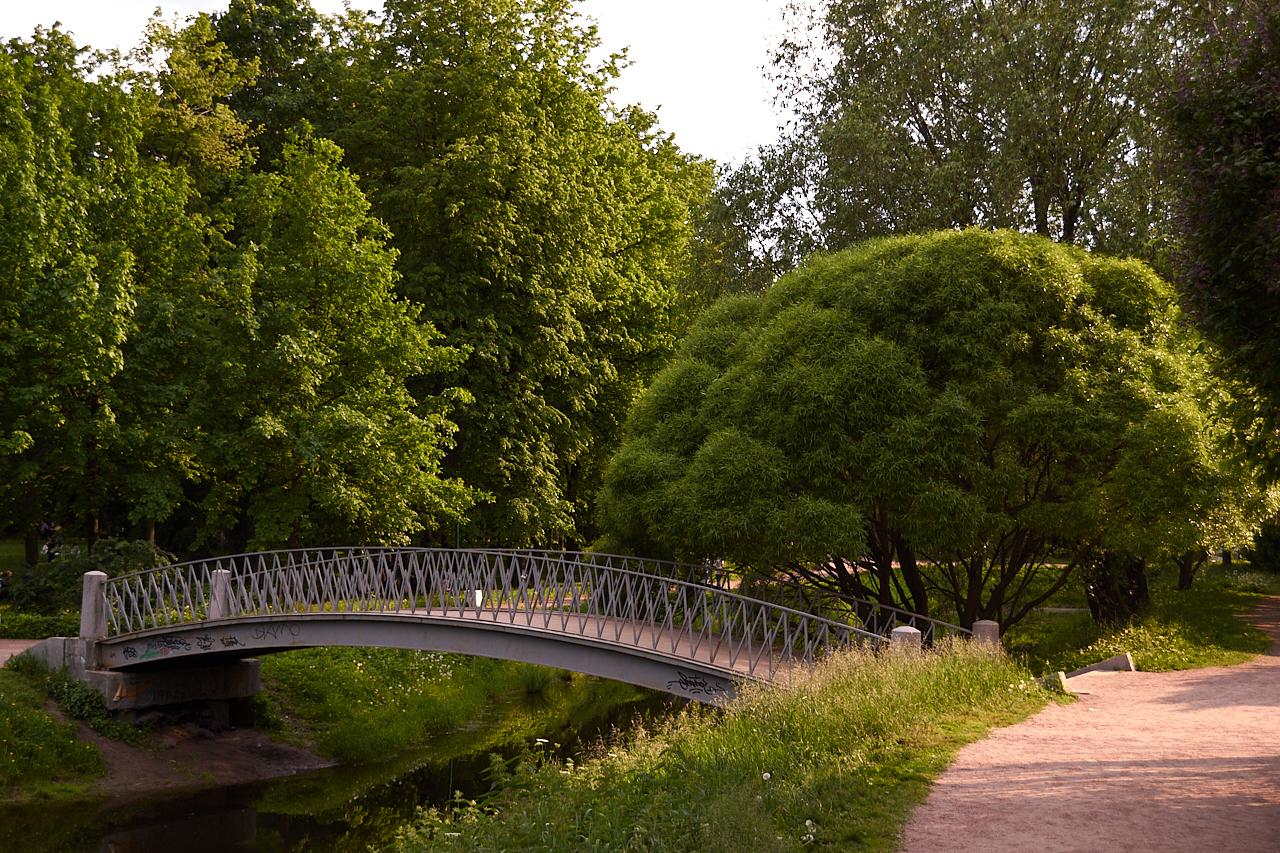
pixel 336 809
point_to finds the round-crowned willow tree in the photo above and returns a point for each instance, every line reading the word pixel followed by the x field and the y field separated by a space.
pixel 968 414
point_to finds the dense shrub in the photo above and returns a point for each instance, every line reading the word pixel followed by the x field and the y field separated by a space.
pixel 35 626
pixel 51 588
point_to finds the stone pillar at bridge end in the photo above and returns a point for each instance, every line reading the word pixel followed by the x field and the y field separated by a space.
pixel 987 633
pixel 93 607
pixel 220 594
pixel 905 640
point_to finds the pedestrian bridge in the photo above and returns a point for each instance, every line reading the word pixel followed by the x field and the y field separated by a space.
pixel 686 629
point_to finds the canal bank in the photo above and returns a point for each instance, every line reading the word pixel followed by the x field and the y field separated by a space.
pixel 336 807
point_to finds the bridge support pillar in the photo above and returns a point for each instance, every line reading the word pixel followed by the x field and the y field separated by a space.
pixel 905 640
pixel 987 633
pixel 131 691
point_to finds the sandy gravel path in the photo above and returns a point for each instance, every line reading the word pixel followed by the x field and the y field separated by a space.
pixel 1161 762
pixel 9 648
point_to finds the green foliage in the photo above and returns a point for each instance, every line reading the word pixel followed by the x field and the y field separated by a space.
pixel 541 232
pixel 32 626
pixel 33 746
pixel 232 361
pixel 1220 115
pixel 928 114
pixel 65 285
pixel 839 758
pixel 306 427
pixel 49 589
pixel 933 415
pixel 367 704
pixel 1182 629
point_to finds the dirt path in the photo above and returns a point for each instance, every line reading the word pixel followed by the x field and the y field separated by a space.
pixel 1161 762
pixel 9 648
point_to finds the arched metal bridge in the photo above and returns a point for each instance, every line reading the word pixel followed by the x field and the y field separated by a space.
pixel 682 628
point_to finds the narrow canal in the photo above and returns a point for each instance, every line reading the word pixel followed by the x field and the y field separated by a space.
pixel 337 809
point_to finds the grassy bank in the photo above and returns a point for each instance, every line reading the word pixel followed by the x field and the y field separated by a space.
pixel 837 760
pixel 367 704
pixel 37 752
pixel 1183 629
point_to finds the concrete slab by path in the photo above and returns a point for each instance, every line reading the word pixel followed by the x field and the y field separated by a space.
pixel 1159 762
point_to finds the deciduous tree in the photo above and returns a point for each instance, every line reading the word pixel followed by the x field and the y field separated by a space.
pixel 946 414
pixel 1222 118
pixel 540 230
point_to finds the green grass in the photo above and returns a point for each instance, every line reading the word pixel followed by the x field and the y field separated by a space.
pixel 1183 629
pixel 35 749
pixel 367 704
pixel 837 761
pixel 12 555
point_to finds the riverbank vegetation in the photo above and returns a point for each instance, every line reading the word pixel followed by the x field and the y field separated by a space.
pixel 358 705
pixel 36 750
pixel 840 756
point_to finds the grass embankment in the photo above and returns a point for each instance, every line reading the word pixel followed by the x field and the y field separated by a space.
pixel 837 760
pixel 36 751
pixel 1183 629
pixel 367 704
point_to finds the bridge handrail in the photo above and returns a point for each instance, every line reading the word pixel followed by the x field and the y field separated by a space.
pixel 733 630
pixel 720 577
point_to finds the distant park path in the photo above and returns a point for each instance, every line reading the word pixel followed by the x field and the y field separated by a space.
pixel 1144 761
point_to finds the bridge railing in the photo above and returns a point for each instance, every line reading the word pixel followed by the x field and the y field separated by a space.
pixel 557 592
pixel 866 615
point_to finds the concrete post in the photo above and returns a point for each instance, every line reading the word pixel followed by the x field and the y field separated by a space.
pixel 220 594
pixel 905 639
pixel 987 633
pixel 93 607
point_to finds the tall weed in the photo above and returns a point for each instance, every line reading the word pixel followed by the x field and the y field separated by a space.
pixel 839 755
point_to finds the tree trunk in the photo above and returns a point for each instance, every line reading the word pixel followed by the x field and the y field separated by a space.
pixel 149 530
pixel 31 545
pixel 911 576
pixel 1115 586
pixel 1188 564
pixel 91 531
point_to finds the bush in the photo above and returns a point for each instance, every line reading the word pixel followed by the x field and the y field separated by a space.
pixel 52 588
pixel 1265 553
pixel 33 626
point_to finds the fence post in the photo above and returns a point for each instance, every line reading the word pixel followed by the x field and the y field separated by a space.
pixel 987 633
pixel 93 607
pixel 905 639
pixel 220 594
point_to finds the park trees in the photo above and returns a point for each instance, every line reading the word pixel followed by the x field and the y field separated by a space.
pixel 539 230
pixel 306 427
pixel 912 116
pixel 966 414
pixel 185 339
pixel 65 286
pixel 1222 119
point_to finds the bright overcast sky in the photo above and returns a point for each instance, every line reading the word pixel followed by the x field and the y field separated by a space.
pixel 698 62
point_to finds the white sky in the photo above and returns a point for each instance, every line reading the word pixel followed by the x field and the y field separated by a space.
pixel 698 62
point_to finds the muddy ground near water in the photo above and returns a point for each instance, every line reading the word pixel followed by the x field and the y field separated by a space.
pixel 185 754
